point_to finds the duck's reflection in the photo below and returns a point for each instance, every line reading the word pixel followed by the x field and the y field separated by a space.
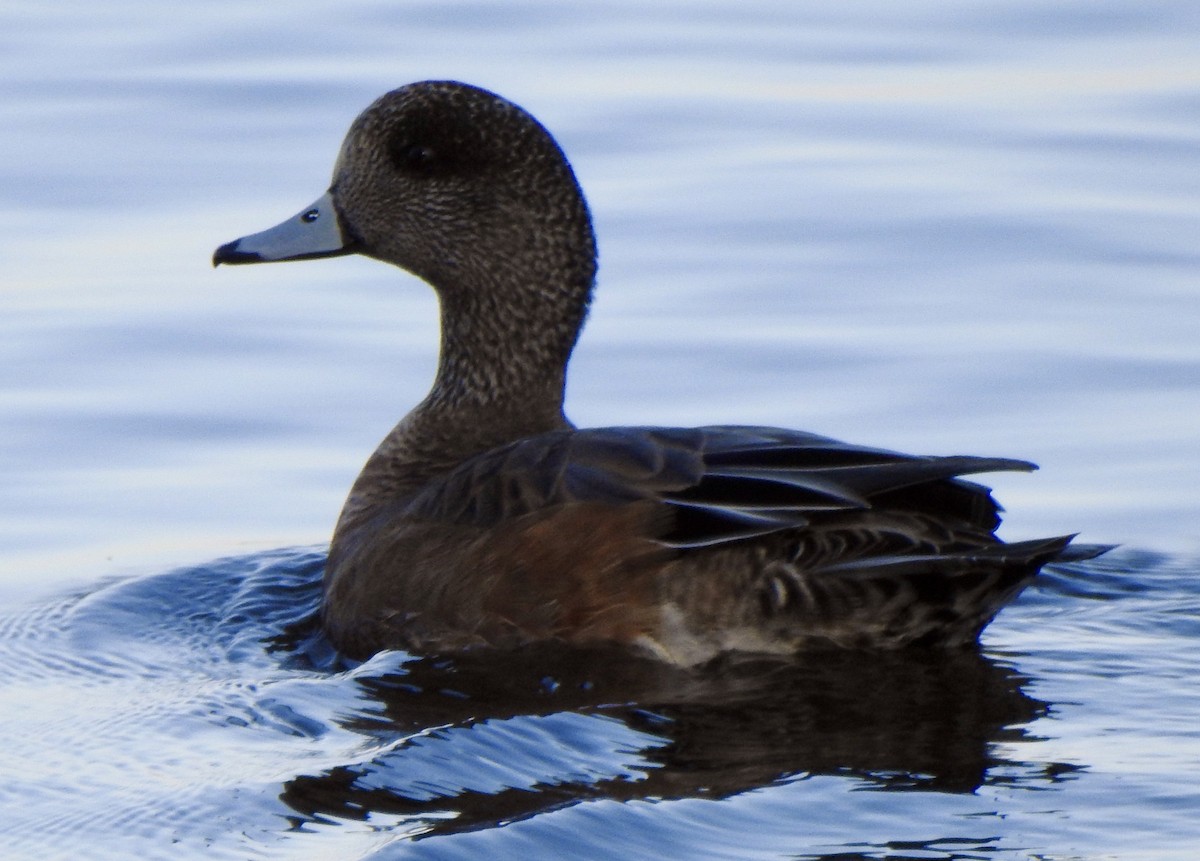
pixel 914 719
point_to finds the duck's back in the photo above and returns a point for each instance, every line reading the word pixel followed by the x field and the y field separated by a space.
pixel 684 542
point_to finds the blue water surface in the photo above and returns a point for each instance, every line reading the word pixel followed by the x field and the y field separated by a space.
pixel 936 227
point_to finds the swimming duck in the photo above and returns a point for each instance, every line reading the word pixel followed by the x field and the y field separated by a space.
pixel 485 518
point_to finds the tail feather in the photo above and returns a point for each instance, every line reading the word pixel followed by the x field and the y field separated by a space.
pixel 944 598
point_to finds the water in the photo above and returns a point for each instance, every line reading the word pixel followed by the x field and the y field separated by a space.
pixel 932 227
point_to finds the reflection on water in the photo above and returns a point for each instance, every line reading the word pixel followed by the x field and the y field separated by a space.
pixel 919 721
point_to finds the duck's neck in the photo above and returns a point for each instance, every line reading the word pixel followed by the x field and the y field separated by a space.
pixel 500 377
pixel 502 365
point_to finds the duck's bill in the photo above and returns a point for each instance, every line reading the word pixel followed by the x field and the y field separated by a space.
pixel 315 231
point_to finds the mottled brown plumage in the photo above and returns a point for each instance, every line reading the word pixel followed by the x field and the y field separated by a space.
pixel 486 519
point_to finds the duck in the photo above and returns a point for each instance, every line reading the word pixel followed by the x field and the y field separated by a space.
pixel 486 519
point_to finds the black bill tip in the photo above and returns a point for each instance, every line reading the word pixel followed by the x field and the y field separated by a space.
pixel 229 253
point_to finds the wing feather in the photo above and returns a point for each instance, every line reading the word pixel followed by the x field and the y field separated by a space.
pixel 720 484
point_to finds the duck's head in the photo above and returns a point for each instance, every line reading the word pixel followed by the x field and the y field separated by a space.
pixel 454 184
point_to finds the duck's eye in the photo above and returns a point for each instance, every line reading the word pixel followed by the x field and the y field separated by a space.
pixel 415 157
